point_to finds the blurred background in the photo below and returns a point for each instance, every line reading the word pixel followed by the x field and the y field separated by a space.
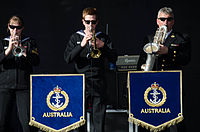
pixel 128 21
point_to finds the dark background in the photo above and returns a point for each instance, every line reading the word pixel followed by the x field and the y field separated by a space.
pixel 52 22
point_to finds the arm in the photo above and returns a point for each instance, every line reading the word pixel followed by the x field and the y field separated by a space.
pixel 109 51
pixel 32 55
pixel 72 50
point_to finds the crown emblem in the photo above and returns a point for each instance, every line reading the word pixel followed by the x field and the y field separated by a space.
pixel 57 89
pixel 57 99
pixel 155 85
pixel 155 95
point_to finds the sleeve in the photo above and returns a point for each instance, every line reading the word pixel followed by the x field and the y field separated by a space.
pixel 32 53
pixel 109 50
pixel 72 49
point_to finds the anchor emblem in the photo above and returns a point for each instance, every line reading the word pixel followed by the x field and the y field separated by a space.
pixel 155 98
pixel 57 99
pixel 155 93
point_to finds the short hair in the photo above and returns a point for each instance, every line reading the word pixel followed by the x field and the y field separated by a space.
pixel 17 18
pixel 89 11
pixel 166 10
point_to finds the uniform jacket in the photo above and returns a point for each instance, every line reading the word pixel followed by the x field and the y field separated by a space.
pixel 80 55
pixel 15 71
pixel 178 52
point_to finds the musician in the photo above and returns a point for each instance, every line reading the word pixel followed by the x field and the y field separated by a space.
pixel 175 52
pixel 18 54
pixel 79 50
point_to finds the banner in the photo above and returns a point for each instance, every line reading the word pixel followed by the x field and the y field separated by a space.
pixel 57 101
pixel 155 98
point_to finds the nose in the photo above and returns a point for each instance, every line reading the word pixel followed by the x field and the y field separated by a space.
pixel 165 22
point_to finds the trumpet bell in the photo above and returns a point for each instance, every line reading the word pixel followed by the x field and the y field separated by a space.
pixel 96 53
pixel 18 51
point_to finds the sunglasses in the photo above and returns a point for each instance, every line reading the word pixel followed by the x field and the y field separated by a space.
pixel 92 21
pixel 13 27
pixel 168 19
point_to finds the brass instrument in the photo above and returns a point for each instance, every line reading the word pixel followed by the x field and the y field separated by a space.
pixel 152 48
pixel 18 50
pixel 95 52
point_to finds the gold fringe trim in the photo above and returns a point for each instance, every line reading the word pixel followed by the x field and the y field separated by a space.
pixel 49 129
pixel 153 128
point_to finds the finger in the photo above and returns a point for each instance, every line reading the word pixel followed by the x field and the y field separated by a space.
pixel 13 33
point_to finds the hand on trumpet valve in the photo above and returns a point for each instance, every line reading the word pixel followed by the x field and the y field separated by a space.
pixel 86 39
pixel 99 43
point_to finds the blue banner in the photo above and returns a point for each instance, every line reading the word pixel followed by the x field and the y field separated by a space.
pixel 57 101
pixel 155 98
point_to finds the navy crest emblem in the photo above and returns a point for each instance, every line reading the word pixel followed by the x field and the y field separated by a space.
pixel 155 95
pixel 57 99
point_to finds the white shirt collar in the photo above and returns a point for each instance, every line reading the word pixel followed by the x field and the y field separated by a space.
pixel 167 34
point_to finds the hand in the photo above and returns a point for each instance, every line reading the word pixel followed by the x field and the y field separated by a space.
pixel 143 67
pixel 86 39
pixel 24 51
pixel 163 49
pixel 14 41
pixel 99 43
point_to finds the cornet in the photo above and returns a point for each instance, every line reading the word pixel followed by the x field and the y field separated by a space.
pixel 18 50
pixel 95 52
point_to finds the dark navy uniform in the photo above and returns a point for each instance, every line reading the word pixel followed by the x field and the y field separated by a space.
pixel 178 52
pixel 14 81
pixel 93 68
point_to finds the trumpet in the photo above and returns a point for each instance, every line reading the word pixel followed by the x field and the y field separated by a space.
pixel 152 48
pixel 18 50
pixel 95 52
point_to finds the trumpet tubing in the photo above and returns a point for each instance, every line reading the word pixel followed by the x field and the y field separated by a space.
pixel 95 53
pixel 17 50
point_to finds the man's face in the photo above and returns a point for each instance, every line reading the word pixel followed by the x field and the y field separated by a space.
pixel 15 27
pixel 90 22
pixel 165 19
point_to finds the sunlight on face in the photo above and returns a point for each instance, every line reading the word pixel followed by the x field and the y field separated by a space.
pixel 168 23
pixel 90 19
